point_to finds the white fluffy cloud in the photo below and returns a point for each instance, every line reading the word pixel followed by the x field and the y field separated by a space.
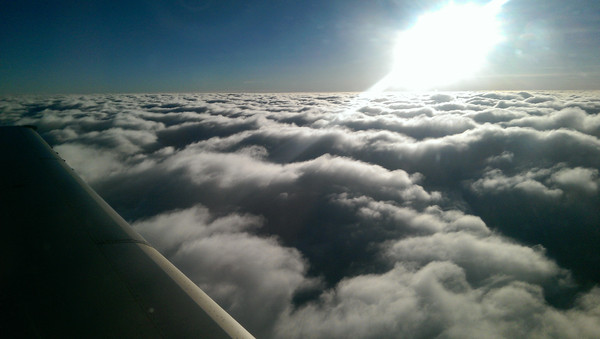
pixel 239 270
pixel 437 301
pixel 330 216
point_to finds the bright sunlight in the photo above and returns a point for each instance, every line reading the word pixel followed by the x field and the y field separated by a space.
pixel 444 47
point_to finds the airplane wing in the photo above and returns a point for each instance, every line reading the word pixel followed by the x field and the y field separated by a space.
pixel 70 266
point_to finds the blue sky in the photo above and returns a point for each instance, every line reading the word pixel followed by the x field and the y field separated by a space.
pixel 156 46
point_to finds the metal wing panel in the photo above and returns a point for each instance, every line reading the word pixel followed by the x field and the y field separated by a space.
pixel 71 266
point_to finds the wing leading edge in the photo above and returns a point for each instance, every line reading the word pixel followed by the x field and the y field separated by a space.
pixel 70 266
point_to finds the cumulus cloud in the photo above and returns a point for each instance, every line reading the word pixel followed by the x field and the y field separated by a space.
pixel 578 178
pixel 494 181
pixel 461 214
pixel 569 118
pixel 437 301
pixel 238 269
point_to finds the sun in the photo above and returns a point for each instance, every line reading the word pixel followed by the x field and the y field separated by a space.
pixel 444 47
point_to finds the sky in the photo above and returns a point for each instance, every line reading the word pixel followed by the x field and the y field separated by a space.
pixel 274 46
pixel 467 214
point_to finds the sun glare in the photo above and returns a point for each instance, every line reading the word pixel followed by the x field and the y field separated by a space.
pixel 444 47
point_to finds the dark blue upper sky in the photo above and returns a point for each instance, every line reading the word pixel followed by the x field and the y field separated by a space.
pixel 187 45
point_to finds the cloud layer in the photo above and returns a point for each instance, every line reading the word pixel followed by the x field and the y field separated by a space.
pixel 462 214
